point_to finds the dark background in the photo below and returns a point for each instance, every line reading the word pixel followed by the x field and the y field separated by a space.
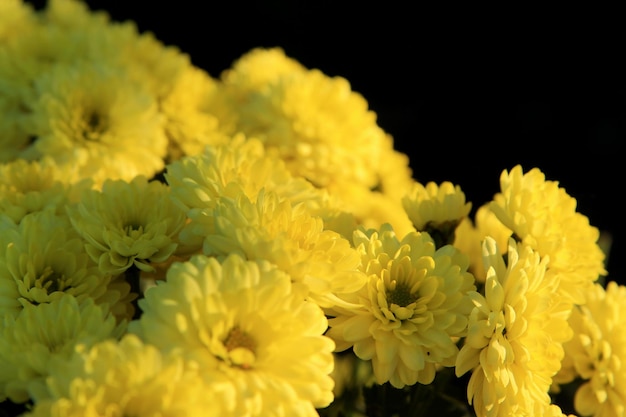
pixel 465 92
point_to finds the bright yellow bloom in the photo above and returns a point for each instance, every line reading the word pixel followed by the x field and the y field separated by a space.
pixel 41 333
pixel 242 320
pixel 515 334
pixel 241 166
pixel 414 304
pixel 129 378
pixel 43 258
pixel 436 209
pixel 98 119
pixel 16 17
pixel 321 261
pixel 543 216
pixel 128 223
pixel 322 129
pixel 597 352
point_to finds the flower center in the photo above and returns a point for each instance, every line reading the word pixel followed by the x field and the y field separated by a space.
pixel 401 295
pixel 241 348
pixel 94 126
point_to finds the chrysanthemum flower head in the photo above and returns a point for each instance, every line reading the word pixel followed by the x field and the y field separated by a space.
pixel 322 129
pixel 437 209
pixel 191 115
pixel 542 215
pixel 128 223
pixel 515 333
pixel 129 378
pixel 40 333
pixel 43 258
pixel 241 166
pixel 414 304
pixel 242 320
pixel 32 186
pixel 596 354
pixel 320 261
pixel 98 119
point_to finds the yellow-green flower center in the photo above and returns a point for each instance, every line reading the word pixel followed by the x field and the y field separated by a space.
pixel 94 125
pixel 401 295
pixel 50 281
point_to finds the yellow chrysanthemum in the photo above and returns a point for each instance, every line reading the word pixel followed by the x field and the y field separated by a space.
pixel 597 352
pixel 228 170
pixel 28 187
pixel 96 118
pixel 320 260
pixel 515 334
pixel 129 378
pixel 259 67
pixel 43 258
pixel 436 209
pixel 415 303
pixel 43 332
pixel 128 223
pixel 189 109
pixel 543 216
pixel 322 129
pixel 242 320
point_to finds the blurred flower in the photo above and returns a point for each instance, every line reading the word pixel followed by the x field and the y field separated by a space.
pixel 514 343
pixel 128 378
pixel 405 319
pixel 39 334
pixel 242 320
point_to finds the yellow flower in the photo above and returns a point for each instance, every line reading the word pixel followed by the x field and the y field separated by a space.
pixel 321 261
pixel 242 320
pixel 322 129
pixel 129 378
pixel 515 334
pixel 415 303
pixel 96 118
pixel 128 223
pixel 436 209
pixel 241 166
pixel 597 352
pixel 191 119
pixel 543 216
pixel 43 258
pixel 28 187
pixel 16 17
pixel 43 332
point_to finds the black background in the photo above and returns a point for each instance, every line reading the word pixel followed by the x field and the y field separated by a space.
pixel 465 91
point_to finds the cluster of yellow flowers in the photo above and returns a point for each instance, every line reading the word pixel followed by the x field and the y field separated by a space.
pixel 174 243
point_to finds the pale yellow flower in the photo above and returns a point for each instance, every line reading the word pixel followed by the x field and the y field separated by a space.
pixel 516 329
pixel 16 17
pixel 543 216
pixel 39 334
pixel 597 352
pixel 436 209
pixel 415 303
pixel 128 224
pixel 129 378
pixel 241 166
pixel 96 118
pixel 242 320
pixel 43 258
pixel 317 124
pixel 32 186
pixel 321 261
